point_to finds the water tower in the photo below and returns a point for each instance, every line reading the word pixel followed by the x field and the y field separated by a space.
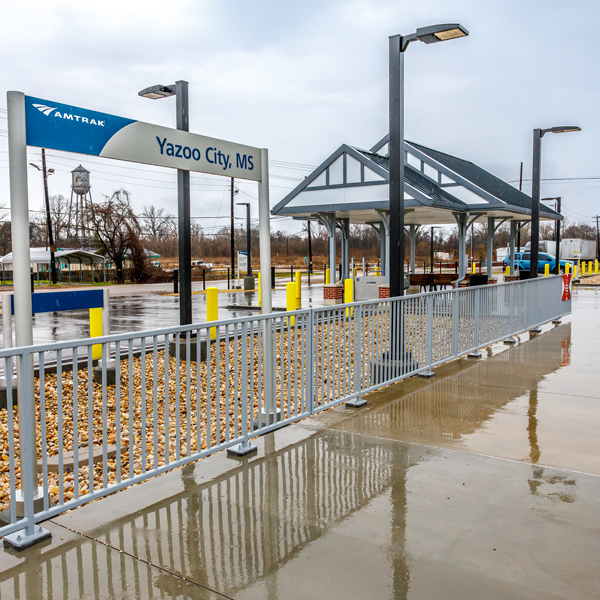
pixel 81 198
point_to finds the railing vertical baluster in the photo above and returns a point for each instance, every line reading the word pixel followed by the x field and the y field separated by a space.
pixel 131 457
pixel 104 417
pixel 43 430
pixel 144 412
pixel 90 440
pixel 167 395
pixel 311 364
pixel 10 416
pixel 155 399
pixel 118 407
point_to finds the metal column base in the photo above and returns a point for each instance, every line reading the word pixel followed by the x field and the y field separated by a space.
pixel 19 540
pixel 356 402
pixel 427 374
pixel 243 449
pixel 556 321
pixel 510 341
pixel 475 354
pixel 265 419
pixel 535 330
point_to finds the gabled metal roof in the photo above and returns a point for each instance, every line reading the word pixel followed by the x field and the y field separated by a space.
pixel 425 196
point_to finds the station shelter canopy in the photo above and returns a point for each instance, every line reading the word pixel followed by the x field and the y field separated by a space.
pixel 352 186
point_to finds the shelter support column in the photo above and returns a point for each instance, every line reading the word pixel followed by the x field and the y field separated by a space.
pixel 344 226
pixel 411 236
pixel 513 234
pixel 461 221
pixel 328 221
pixel 384 234
pixel 490 246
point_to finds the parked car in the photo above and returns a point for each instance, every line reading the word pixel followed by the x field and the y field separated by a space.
pixel 507 259
pixel 523 263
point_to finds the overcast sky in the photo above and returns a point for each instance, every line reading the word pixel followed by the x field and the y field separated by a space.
pixel 300 78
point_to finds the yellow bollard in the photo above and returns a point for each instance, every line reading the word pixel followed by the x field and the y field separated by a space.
pixel 590 268
pixel 349 295
pixel 596 269
pixel 546 270
pixel 355 273
pixel 507 270
pixel 298 289
pixel 259 295
pixel 473 267
pixel 327 276
pixel 290 304
pixel 212 308
pixel 583 269
pixel 96 330
pixel 575 271
pixel 377 270
pixel 567 268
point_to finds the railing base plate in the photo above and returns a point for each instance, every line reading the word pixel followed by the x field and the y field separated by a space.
pixel 556 322
pixel 510 341
pixel 427 374
pixel 475 354
pixel 535 330
pixel 356 402
pixel 19 540
pixel 241 450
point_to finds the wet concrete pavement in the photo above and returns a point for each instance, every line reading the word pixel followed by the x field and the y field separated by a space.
pixel 482 482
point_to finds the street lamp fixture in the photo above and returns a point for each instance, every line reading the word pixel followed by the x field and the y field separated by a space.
pixel 538 134
pixel 180 90
pixel 156 92
pixel 398 45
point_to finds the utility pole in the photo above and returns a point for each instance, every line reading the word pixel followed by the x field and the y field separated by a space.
pixel 232 229
pixel 309 249
pixel 48 219
pixel 597 236
pixel 520 189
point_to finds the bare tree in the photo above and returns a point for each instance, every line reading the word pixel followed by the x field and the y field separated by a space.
pixel 157 224
pixel 116 228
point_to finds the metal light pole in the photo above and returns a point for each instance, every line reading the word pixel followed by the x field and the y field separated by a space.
pixel 248 237
pixel 180 90
pixel 538 134
pixel 557 199
pixel 431 251
pixel 398 45
pixel 45 174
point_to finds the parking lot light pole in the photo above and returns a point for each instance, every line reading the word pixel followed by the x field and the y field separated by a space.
pixel 538 134
pixel 398 45
pixel 180 90
pixel 248 240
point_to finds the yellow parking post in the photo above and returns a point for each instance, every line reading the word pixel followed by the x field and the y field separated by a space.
pixel 356 271
pixel 583 269
pixel 546 270
pixel 349 295
pixel 290 304
pixel 473 266
pixel 298 289
pixel 212 308
pixel 575 271
pixel 590 268
pixel 96 330
pixel 327 276
pixel 507 270
pixel 596 268
pixel 567 268
pixel 259 294
pixel 377 270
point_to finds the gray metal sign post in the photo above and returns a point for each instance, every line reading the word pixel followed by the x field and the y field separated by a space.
pixel 19 213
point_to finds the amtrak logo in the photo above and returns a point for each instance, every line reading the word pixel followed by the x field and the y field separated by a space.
pixel 48 110
pixel 45 109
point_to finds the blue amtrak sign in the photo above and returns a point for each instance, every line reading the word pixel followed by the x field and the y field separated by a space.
pixel 73 129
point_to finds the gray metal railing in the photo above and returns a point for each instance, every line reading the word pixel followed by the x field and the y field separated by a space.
pixel 254 374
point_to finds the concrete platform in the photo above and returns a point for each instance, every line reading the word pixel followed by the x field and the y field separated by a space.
pixel 483 482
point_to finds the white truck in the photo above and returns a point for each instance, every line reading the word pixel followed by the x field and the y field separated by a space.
pixel 547 246
pixel 200 264
pixel 576 249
